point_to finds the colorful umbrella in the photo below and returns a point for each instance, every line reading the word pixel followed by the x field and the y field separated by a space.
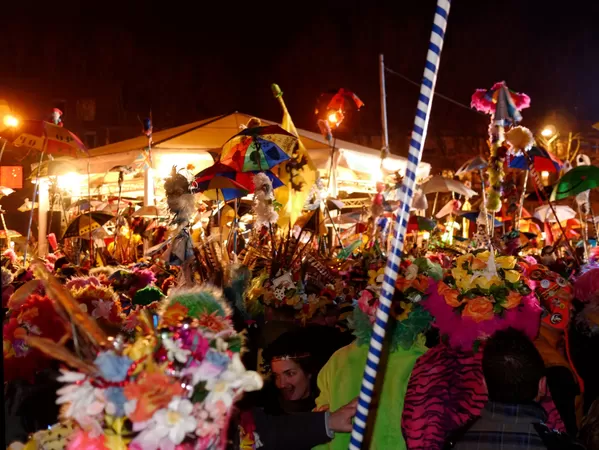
pixel 563 212
pixel 577 180
pixel 476 163
pixel 83 224
pixel 258 148
pixel 246 179
pixel 542 160
pixel 440 184
pixel 218 187
pixel 46 137
pixel 11 234
pixel 472 216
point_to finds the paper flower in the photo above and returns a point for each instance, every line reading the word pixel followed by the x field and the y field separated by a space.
pixel 85 403
pixel 150 392
pixel 478 309
pixel 174 351
pixel 168 427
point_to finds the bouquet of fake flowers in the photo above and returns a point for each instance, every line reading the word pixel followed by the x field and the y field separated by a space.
pixel 480 295
pixel 411 319
pixel 171 386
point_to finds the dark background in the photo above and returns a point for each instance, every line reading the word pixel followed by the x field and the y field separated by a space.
pixel 186 61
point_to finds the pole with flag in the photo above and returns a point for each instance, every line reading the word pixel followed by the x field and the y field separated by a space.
pixel 295 192
pixel 421 120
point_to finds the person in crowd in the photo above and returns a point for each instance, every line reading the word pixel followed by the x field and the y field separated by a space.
pixel 294 360
pixel 514 373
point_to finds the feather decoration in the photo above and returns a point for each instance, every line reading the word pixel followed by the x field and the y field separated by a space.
pixel 59 352
pixel 80 320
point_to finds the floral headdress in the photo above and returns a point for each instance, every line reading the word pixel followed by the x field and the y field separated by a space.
pixel 172 386
pixel 483 293
pixel 412 320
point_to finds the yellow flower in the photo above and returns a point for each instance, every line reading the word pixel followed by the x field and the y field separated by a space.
pixel 484 256
pixel 464 259
pixel 407 309
pixel 478 264
pixel 512 276
pixel 462 278
pixel 376 276
pixel 505 262
pixel 484 283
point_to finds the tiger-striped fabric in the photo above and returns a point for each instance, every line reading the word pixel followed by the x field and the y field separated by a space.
pixel 445 391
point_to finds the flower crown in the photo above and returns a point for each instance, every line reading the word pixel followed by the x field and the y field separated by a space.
pixel 483 293
pixel 172 386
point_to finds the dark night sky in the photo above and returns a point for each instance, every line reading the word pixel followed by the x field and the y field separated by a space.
pixel 193 62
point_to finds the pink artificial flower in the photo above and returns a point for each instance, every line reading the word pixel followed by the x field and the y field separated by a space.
pixel 367 304
pixel 84 441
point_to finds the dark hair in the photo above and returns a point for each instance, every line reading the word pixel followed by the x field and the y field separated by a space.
pixel 292 345
pixel 512 367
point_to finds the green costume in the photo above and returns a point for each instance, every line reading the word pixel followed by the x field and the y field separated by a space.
pixel 339 383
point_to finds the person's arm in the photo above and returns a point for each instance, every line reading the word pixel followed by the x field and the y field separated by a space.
pixel 302 431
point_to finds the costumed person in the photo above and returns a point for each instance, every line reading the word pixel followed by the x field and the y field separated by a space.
pixel 481 294
pixel 556 295
pixel 340 379
pixel 180 202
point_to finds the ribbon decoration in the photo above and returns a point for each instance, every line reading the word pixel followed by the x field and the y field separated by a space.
pixel 418 138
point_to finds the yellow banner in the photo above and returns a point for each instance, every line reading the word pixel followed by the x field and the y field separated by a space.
pixel 293 201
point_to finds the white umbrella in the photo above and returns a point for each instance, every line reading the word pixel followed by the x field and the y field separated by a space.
pixel 563 212
pixel 439 184
pixel 27 206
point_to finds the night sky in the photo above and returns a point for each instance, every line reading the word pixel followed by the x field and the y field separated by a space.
pixel 192 60
pixel 198 59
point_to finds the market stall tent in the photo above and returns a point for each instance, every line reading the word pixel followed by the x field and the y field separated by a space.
pixel 198 143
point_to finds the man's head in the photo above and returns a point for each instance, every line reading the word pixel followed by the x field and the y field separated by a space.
pixel 513 368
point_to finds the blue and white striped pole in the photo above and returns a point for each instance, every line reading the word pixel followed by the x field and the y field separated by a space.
pixel 425 101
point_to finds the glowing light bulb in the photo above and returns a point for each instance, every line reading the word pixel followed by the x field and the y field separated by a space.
pixel 11 121
pixel 333 118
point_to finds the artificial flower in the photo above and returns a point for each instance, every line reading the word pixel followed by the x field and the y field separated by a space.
pixel 512 300
pixel 407 309
pixel 421 283
pixel 234 378
pixel 83 440
pixel 168 427
pixel 85 403
pixel 478 264
pixel 478 309
pixel 512 276
pixel 101 309
pixel 462 278
pixel 506 262
pixel 451 297
pixel 375 277
pixel 174 314
pixel 484 282
pixel 150 392
pixel 213 322
pixel 367 303
pixel 464 259
pixel 174 352
pixel 114 368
